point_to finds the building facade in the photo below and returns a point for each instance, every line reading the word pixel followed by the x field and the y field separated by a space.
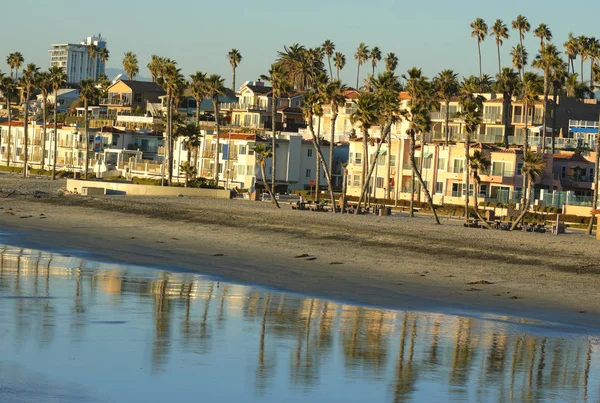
pixel 75 59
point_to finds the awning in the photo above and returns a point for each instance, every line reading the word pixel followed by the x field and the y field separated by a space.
pixel 540 129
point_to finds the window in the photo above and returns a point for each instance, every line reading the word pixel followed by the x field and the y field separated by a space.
pixel 240 169
pixel 355 180
pixel 379 183
pixel 358 159
pixel 519 168
pixel 249 170
pixel 591 174
pixel 501 168
pixel 250 151
pixel 381 160
pixel 242 149
pixel 496 132
pixel 427 162
pixel 308 173
pixel 439 187
pixel 426 186
pixel 457 189
pixel 392 160
pixel 309 153
pixel 563 172
pixel 137 97
pixel 441 164
pixel 483 190
pixel 270 170
pixel 458 166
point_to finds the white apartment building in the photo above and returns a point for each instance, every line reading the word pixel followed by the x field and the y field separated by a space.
pixel 76 61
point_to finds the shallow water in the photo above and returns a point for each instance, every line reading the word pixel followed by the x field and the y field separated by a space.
pixel 73 330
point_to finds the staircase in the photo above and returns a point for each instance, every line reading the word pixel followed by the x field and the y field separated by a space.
pixel 155 109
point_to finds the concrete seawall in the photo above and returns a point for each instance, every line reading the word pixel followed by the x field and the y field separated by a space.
pixel 130 189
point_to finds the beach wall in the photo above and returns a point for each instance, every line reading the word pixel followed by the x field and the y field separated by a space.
pixel 130 189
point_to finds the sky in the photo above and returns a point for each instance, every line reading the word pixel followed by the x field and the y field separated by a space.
pixel 198 34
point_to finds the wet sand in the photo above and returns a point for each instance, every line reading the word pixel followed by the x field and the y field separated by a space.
pixel 393 262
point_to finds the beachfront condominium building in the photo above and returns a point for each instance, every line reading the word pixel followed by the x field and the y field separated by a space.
pixel 75 59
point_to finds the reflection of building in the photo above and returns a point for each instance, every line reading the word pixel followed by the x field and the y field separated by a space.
pixel 75 59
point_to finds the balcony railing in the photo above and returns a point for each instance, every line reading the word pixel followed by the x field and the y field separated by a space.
pixel 243 106
pixel 492 118
pixel 584 124
pixel 503 173
pixel 116 101
pixel 518 119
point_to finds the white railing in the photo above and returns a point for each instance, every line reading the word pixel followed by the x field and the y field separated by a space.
pixel 136 119
pixel 584 124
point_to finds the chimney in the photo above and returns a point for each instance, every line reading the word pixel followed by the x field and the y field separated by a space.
pixel 259 83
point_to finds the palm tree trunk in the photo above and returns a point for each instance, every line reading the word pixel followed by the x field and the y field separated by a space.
pixel 596 177
pixel 526 140
pixel 330 71
pixel 420 179
pixel 55 136
pixel 581 69
pixel 189 162
pixel 26 134
pixel 476 206
pixel 446 123
pixel 318 163
pixel 8 151
pixel 198 113
pixel 499 61
pixel 87 138
pixel 233 79
pixel 388 168
pixel 525 207
pixel 569 65
pixel 479 51
pixel 371 168
pixel 523 64
pixel 317 147
pixel 338 73
pixel 466 173
pixel 363 174
pixel 545 106
pixel 357 75
pixel 334 115
pixel 273 140
pixel 266 182
pixel 414 166
pixel 344 190
pixel 216 110
pixel 42 162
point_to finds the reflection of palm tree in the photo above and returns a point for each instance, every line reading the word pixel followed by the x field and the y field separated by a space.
pixel 263 369
pixel 160 347
pixel 433 358
pixel 221 316
pixel 303 370
pixel 586 372
pixel 405 376
pixel 204 333
pixel 463 353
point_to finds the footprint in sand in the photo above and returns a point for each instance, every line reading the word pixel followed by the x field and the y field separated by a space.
pixel 480 282
pixel 41 218
pixel 160 242
pixel 175 239
pixel 132 237
pixel 515 297
pixel 582 312
pixel 472 289
pixel 311 258
pixel 9 213
pixel 218 254
pixel 26 216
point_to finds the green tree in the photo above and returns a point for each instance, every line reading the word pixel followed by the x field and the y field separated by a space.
pixel 301 66
pixel 262 152
pixel 235 58
pixel 574 88
pixel 479 31
pixel 500 32
pixel 58 77
pixel 191 141
pixel 215 86
pixel 87 93
pixel 532 88
pixel 329 49
pixel 361 56
pixel 391 62
pixel 521 24
pixel 198 89
pixel 519 58
pixel 103 55
pixel 339 61
pixel 170 78
pixel 92 51
pixel 544 34
pixel 375 56
pixel 27 84
pixel 15 61
pixel 533 167
pixel 583 48
pixel 571 50
pixel 42 83
pixel 509 84
pixel 447 87
pixel 155 67
pixel 130 65
pixel 547 60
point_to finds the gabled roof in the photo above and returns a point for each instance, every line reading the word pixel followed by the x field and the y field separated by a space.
pixel 574 157
pixel 141 86
pixel 258 89
pixel 351 93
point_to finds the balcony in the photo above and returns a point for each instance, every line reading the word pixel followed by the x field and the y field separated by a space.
pixel 115 102
pixel 492 118
pixel 208 154
pixel 518 119
pixel 242 106
pixel 583 124
pixel 441 116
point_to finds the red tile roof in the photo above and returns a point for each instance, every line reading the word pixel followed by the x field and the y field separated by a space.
pixel 570 157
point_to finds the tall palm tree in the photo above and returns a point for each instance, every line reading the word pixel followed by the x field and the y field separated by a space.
pixel 479 31
pixel 532 88
pixel 576 89
pixel 57 78
pixel 547 60
pixel 519 58
pixel 366 117
pixel 521 24
pixel 103 55
pixel 312 101
pixel 235 58
pixel 191 141
pixel 87 93
pixel 593 48
pixel 198 89
pixel 391 62
pixel 169 77
pixel 154 67
pixel 262 152
pixel 508 83
pixel 471 115
pixel 447 87
pixel 8 87
pixel 130 65
pixel 533 167
pixel 339 60
pixel 500 31
pixel 375 56
pixel 334 96
pixel 302 66
pixel 15 61
pixel 583 48
pixel 27 83
pixel 42 83
pixel 215 86
pixel 329 49
pixel 478 164
pixel 361 56
pixel 544 34
pixel 571 50
pixel 92 51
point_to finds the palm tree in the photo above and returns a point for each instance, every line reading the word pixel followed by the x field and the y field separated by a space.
pixel 391 62
pixel 547 60
pixel 543 32
pixel 522 25
pixel 235 58
pixel 15 61
pixel 261 153
pixel 27 83
pixel 215 86
pixel 312 101
pixel 198 89
pixel 170 78
pixel 154 67
pixel 574 88
pixel 42 81
pixel 344 187
pixel 532 88
pixel 191 142
pixel 593 55
pixel 583 48
pixel 571 50
pixel 478 164
pixel 533 167
pixel 365 116
pixel 92 51
pixel 375 56
pixel 103 55
pixel 87 93
pixel 8 87
pixel 339 60
pixel 447 87
pixel 479 31
pixel 361 56
pixel 279 84
pixel 334 95
pixel 130 65
pixel 57 78
pixel 471 115
pixel 508 83
pixel 329 49
pixel 301 66
pixel 519 58
pixel 500 31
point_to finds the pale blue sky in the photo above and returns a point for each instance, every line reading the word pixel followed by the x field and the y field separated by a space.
pixel 432 34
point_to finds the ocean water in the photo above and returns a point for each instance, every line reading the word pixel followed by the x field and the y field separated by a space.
pixel 74 330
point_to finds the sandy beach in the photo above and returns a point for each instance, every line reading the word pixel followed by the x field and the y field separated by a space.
pixel 394 262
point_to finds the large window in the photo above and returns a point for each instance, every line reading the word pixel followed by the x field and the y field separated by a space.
pixel 379 183
pixel 501 168
pixel 309 153
pixel 392 160
pixel 427 161
pixel 457 189
pixel 358 159
pixel 441 164
pixel 439 187
pixel 458 166
pixel 308 173
pixel 355 180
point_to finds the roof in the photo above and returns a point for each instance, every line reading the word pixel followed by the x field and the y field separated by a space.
pixel 351 93
pixel 290 110
pixel 291 94
pixel 259 89
pixel 576 157
pixel 142 86
pixel 403 96
pixel 494 101
pixel 322 142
